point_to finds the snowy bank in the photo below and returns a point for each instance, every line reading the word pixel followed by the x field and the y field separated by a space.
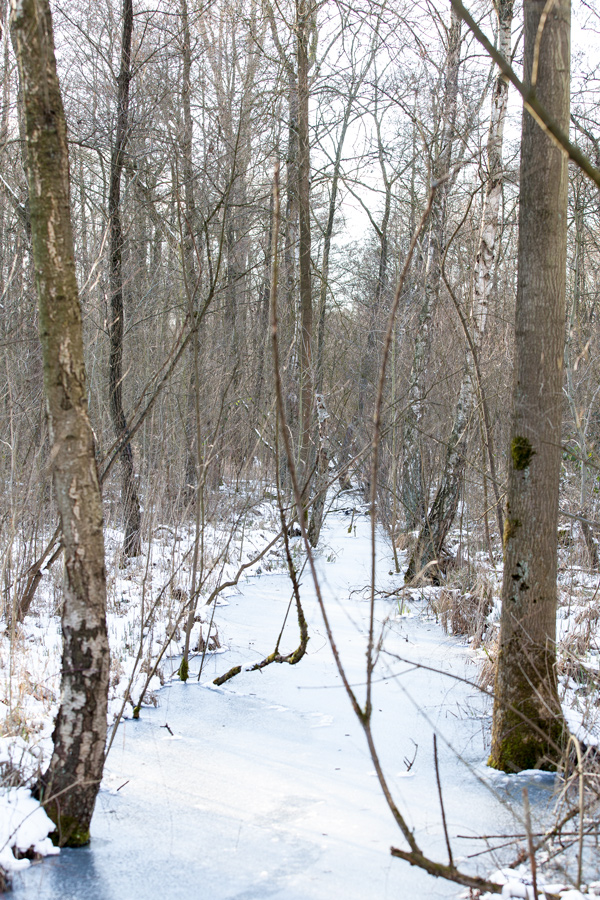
pixel 24 829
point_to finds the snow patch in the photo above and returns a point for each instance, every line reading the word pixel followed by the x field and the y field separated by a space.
pixel 24 828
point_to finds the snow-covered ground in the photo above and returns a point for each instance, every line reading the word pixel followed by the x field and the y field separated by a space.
pixel 264 787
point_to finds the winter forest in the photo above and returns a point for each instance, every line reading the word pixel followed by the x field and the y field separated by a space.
pixel 298 444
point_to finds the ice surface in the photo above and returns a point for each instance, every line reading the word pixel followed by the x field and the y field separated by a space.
pixel 266 789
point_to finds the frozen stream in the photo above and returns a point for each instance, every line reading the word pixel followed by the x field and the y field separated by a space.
pixel 265 787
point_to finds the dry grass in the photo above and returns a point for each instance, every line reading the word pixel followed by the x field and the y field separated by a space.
pixel 465 613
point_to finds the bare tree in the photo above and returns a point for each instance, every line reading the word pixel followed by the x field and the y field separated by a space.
pixel 70 785
pixel 528 727
pixel 129 496
pixel 305 15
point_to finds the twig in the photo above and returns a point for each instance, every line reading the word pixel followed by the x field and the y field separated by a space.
pixel 530 847
pixel 409 763
pixel 573 740
pixel 439 787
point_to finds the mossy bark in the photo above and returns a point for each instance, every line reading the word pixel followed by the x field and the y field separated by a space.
pixel 70 785
pixel 528 727
pixel 533 730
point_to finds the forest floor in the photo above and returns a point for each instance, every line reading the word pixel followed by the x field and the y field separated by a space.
pixel 264 787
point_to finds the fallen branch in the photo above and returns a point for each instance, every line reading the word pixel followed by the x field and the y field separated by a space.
pixel 296 655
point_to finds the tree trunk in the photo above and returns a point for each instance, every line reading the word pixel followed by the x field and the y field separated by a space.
pixel 361 422
pixel 263 320
pixel 303 20
pixel 290 249
pixel 528 728
pixel 70 785
pixel 322 472
pixel 429 543
pixel 129 496
pixel 191 240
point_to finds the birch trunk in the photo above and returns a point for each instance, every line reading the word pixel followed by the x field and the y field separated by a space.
pixel 70 785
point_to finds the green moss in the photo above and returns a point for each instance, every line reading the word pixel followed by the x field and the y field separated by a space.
pixel 78 837
pixel 184 669
pixel 523 747
pixel 299 652
pixel 136 712
pixel 528 730
pixel 230 674
pixel 521 452
pixel 69 831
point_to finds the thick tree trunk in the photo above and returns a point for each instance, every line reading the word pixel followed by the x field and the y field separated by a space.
pixel 71 783
pixel 528 728
pixel 129 496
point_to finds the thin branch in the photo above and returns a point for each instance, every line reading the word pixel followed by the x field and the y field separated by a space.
pixel 439 787
pixel 530 101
